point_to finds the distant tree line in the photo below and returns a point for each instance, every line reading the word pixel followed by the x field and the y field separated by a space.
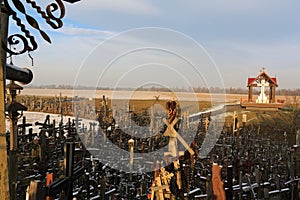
pixel 67 87
pixel 231 90
pixel 289 92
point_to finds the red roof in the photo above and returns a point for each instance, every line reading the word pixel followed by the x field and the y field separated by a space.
pixel 263 73
pixel 251 80
pixel 274 79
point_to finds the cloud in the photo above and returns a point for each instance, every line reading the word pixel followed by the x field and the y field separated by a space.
pixel 71 30
pixel 241 36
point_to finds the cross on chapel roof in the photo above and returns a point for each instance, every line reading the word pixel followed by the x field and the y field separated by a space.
pixel 262 75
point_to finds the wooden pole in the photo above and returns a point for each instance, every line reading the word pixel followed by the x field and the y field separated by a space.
pixel 4 189
pixel 271 94
pixel 217 183
pixel 103 187
pixel 131 150
pixel 35 190
pixel 250 93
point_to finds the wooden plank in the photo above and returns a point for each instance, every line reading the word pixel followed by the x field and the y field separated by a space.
pixel 183 142
pixel 35 190
pixel 4 191
pixel 173 133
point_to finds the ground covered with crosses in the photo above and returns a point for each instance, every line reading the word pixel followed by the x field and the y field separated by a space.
pixel 258 156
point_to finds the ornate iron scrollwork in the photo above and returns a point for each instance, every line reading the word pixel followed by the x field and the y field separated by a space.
pixel 48 15
pixel 26 42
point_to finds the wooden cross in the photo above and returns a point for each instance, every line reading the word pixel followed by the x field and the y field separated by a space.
pixel 171 132
pixel 161 183
pixel 158 187
pixel 165 178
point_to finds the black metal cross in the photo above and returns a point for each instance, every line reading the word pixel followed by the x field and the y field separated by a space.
pixel 71 173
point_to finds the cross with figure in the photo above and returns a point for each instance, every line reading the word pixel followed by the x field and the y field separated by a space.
pixel 262 98
pixel 172 132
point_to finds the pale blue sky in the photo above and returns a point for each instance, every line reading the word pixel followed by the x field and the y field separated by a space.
pixel 239 36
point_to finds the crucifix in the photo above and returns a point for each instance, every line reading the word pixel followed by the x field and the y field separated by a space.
pixel 172 132
pixel 262 98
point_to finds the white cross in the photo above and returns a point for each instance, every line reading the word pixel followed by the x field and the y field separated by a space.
pixel 262 98
pixel 262 85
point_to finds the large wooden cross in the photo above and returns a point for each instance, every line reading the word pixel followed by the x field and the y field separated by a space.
pixel 172 133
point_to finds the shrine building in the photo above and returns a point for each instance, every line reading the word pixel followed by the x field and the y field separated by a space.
pixel 266 99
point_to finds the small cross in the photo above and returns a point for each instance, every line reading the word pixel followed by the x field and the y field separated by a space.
pixel 158 187
pixel 206 124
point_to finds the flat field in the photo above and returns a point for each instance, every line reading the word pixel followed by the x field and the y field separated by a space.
pixel 113 94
